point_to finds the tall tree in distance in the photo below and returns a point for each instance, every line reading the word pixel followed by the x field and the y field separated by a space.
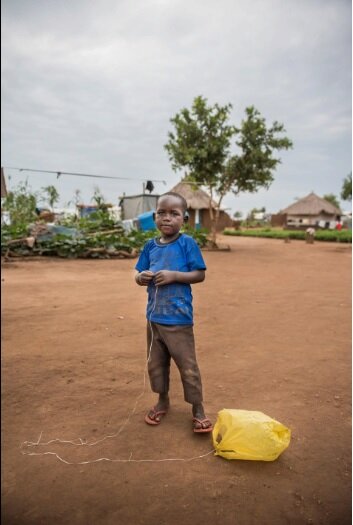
pixel 346 192
pixel 201 142
pixel 330 197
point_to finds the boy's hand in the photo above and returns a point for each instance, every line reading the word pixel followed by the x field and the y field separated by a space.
pixel 164 277
pixel 144 278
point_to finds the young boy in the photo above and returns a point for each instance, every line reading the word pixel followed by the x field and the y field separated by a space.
pixel 168 265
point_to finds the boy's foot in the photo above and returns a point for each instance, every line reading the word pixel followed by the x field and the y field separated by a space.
pixel 202 425
pixel 154 416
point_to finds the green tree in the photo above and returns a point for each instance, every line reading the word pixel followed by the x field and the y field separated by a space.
pixel 346 192
pixel 102 214
pixel 76 199
pixel 201 143
pixel 99 199
pixel 51 195
pixel 21 204
pixel 330 197
pixel 252 213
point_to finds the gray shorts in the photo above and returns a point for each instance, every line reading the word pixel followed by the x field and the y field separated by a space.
pixel 173 342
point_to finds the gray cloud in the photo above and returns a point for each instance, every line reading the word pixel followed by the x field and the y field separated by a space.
pixel 91 87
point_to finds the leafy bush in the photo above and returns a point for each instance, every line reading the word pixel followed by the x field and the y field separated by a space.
pixel 99 244
pixel 320 235
pixel 200 236
pixel 21 205
pixel 95 221
pixel 97 235
pixel 339 236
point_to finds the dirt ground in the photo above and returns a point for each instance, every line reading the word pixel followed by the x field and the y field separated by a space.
pixel 273 333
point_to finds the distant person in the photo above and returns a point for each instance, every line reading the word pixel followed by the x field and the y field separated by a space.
pixel 168 265
pixel 339 226
pixel 309 235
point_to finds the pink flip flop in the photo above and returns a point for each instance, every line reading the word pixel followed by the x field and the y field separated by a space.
pixel 156 413
pixel 202 429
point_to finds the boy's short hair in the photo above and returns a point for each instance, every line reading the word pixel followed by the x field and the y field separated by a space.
pixel 174 194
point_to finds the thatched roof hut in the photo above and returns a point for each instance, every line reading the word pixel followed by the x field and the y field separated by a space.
pixel 196 198
pixel 311 211
pixel 198 202
pixel 311 205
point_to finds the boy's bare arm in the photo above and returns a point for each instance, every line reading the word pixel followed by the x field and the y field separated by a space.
pixel 167 277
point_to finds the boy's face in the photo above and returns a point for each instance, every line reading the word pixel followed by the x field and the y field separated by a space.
pixel 169 216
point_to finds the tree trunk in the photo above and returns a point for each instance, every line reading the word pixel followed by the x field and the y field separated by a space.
pixel 213 218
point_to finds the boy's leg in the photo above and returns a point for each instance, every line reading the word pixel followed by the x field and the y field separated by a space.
pixel 158 371
pixel 181 346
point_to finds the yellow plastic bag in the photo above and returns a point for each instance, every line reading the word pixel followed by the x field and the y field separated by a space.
pixel 244 434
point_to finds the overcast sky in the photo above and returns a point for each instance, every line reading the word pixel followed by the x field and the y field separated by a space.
pixel 90 87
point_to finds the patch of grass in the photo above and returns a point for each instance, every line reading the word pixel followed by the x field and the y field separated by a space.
pixel 272 233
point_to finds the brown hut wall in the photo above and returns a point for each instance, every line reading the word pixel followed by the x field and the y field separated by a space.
pixel 304 221
pixel 224 221
pixel 191 221
pixel 279 219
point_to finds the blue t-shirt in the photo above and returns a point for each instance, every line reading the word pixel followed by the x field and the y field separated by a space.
pixel 173 303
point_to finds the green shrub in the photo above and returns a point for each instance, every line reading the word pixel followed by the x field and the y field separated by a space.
pixel 21 205
pixel 62 245
pixel 200 236
pixel 320 235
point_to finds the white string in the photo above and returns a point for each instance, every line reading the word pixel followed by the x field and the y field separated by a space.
pixel 82 442
pixel 109 436
pixel 130 460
